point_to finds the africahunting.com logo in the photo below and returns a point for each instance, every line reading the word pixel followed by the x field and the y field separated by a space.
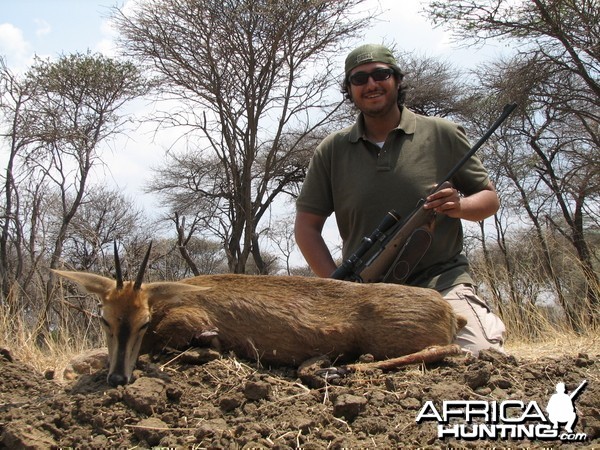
pixel 509 419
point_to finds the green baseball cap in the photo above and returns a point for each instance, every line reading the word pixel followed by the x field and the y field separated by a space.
pixel 370 53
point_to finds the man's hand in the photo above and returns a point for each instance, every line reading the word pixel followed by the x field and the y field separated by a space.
pixel 445 201
pixel 475 207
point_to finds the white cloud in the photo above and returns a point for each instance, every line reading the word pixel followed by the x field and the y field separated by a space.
pixel 106 47
pixel 106 44
pixel 13 46
pixel 42 27
pixel 402 23
pixel 404 26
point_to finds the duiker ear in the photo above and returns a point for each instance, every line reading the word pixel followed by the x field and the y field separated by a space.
pixel 94 284
pixel 170 290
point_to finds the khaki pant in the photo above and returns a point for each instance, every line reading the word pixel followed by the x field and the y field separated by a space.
pixel 484 329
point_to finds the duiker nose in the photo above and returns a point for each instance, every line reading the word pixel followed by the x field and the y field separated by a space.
pixel 116 379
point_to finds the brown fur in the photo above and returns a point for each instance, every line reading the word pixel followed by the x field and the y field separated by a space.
pixel 275 319
pixel 286 320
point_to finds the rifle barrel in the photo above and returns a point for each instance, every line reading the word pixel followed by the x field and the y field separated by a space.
pixel 505 113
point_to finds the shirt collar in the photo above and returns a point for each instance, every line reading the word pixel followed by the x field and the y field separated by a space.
pixel 408 124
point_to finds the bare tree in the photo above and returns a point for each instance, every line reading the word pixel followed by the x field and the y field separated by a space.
pixel 554 77
pixel 564 33
pixel 168 262
pixel 76 105
pixel 253 79
pixel 184 236
pixel 105 215
pixel 14 96
pixel 548 162
pixel 282 235
pixel 435 87
pixel 57 115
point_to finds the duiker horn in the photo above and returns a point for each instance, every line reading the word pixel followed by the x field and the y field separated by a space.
pixel 140 276
pixel 119 274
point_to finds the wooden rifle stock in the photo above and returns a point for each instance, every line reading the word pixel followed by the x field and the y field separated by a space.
pixel 407 244
pixel 400 246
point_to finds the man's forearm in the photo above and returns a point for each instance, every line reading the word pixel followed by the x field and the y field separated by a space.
pixel 479 206
pixel 307 230
pixel 317 255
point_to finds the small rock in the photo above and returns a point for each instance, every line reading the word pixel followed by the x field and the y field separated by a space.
pixel 484 390
pixel 328 435
pixel 583 360
pixel 21 435
pixel 199 356
pixel 410 403
pixel 100 441
pixel 303 424
pixel 377 398
pixel 174 393
pixel 499 393
pixel 86 363
pixel 228 404
pixel 497 357
pixel 249 409
pixel 414 392
pixel 210 428
pixel 151 430
pixel 257 390
pixel 500 382
pixel 349 406
pixel 477 376
pixel 145 395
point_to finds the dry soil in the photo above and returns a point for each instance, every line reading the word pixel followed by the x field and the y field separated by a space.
pixel 227 403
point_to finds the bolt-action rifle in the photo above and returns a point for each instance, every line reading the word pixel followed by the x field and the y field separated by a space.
pixel 391 252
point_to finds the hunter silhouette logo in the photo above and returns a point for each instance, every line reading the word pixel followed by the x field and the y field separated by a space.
pixel 508 419
pixel 561 409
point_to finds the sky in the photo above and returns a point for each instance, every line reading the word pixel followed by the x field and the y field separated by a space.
pixel 50 28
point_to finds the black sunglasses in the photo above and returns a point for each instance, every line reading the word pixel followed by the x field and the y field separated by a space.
pixel 360 78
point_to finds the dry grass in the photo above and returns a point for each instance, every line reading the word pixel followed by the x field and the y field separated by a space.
pixel 41 351
pixel 53 356
pixel 535 332
pixel 556 345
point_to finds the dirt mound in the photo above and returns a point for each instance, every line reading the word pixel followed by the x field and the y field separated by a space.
pixel 227 403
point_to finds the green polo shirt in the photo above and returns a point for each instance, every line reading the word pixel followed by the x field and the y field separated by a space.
pixel 360 182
